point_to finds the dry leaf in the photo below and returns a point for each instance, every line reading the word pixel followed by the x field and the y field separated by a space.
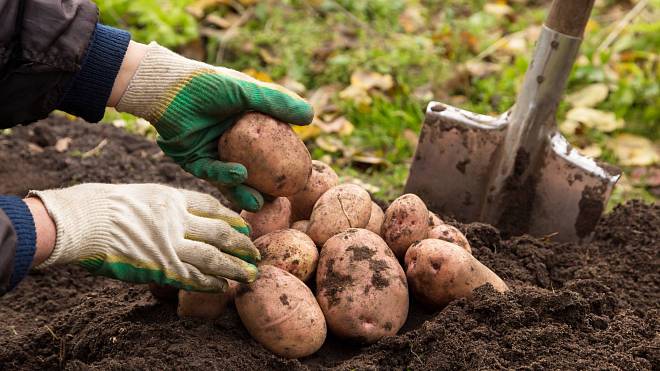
pixel 482 69
pixel 369 159
pixel 329 144
pixel 593 151
pixel 411 137
pixel 320 98
pixel 62 144
pixel 633 150
pixel 367 186
pixel 259 75
pixel 597 119
pixel 199 7
pixel 268 57
pixel 412 20
pixel 498 9
pixel 339 125
pixel 371 80
pixel 293 85
pixel 569 127
pixel 306 132
pixel 589 96
pixel 34 148
pixel 221 22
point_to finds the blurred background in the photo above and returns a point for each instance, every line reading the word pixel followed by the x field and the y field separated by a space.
pixel 370 67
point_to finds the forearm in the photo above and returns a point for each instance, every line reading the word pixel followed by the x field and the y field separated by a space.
pixel 17 241
pixel 129 65
pixel 45 228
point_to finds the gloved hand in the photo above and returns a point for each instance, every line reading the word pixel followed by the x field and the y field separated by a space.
pixel 150 233
pixel 192 103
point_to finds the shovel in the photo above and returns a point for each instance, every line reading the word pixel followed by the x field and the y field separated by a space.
pixel 516 171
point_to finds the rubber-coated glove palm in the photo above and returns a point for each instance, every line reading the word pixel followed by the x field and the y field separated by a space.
pixel 192 103
pixel 145 233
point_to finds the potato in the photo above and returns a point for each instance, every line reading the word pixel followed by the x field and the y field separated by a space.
pixel 361 287
pixel 163 292
pixel 439 272
pixel 272 217
pixel 434 220
pixel 340 208
pixel 406 221
pixel 450 234
pixel 276 160
pixel 301 225
pixel 280 312
pixel 376 219
pixel 290 250
pixel 322 179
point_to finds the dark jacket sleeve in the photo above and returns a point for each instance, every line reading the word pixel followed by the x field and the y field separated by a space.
pixel 7 251
pixel 18 240
pixel 54 55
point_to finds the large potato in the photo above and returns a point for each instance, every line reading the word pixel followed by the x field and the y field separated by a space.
pixel 450 234
pixel 272 217
pixel 434 220
pixel 340 208
pixel 290 250
pixel 376 219
pixel 406 221
pixel 439 272
pixel 276 160
pixel 361 287
pixel 322 179
pixel 280 312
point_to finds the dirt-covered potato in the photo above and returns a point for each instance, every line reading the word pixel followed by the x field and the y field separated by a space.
pixel 450 234
pixel 290 250
pixel 376 219
pixel 361 287
pixel 301 225
pixel 204 305
pixel 406 221
pixel 163 292
pixel 273 216
pixel 322 179
pixel 439 272
pixel 340 208
pixel 280 312
pixel 434 220
pixel 276 160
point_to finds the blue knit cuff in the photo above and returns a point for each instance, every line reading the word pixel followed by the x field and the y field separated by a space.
pixel 26 236
pixel 92 85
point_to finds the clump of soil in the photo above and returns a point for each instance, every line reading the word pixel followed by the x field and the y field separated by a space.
pixel 594 306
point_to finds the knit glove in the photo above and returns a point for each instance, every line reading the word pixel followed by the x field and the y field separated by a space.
pixel 145 233
pixel 192 103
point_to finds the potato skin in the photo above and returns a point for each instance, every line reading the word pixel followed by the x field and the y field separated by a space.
pixel 277 161
pixel 321 179
pixel 406 221
pixel 376 219
pixel 301 225
pixel 280 312
pixel 434 220
pixel 450 234
pixel 290 250
pixel 361 287
pixel 340 208
pixel 439 272
pixel 272 217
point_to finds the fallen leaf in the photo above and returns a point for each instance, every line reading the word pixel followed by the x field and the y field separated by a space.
pixel 293 85
pixel 371 80
pixel 306 132
pixel 596 119
pixel 412 138
pixel 34 148
pixel 259 75
pixel 569 127
pixel 320 98
pixel 367 186
pixel 339 125
pixel 62 144
pixel 199 7
pixel 482 69
pixel 369 159
pixel 589 96
pixel 222 22
pixel 498 9
pixel 329 144
pixel 593 151
pixel 96 150
pixel 412 20
pixel 633 150
pixel 268 57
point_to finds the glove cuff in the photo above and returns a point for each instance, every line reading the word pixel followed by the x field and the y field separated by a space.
pixel 79 225
pixel 160 75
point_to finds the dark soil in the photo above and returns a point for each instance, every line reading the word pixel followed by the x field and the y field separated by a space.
pixel 594 306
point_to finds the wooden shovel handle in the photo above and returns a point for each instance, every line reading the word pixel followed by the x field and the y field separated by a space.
pixel 569 17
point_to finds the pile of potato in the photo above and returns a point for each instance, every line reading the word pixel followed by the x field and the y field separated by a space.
pixel 335 239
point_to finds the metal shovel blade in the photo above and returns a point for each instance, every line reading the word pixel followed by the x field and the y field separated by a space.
pixel 515 171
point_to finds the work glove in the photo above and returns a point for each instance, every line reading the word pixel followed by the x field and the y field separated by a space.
pixel 150 233
pixel 192 103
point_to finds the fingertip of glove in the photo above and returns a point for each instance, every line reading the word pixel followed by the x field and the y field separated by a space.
pixel 247 198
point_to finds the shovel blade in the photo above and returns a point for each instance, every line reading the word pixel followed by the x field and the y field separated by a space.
pixel 452 165
pixel 571 193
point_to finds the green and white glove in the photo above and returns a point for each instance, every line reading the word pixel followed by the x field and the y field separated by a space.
pixel 145 233
pixel 192 103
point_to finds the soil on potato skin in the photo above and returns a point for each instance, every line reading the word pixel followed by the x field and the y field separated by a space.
pixel 594 306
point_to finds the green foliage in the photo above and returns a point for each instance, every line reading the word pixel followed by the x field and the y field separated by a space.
pixel 165 22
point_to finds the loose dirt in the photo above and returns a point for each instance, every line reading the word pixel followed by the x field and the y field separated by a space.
pixel 594 306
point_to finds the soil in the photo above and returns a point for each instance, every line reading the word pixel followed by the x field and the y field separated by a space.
pixel 594 306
